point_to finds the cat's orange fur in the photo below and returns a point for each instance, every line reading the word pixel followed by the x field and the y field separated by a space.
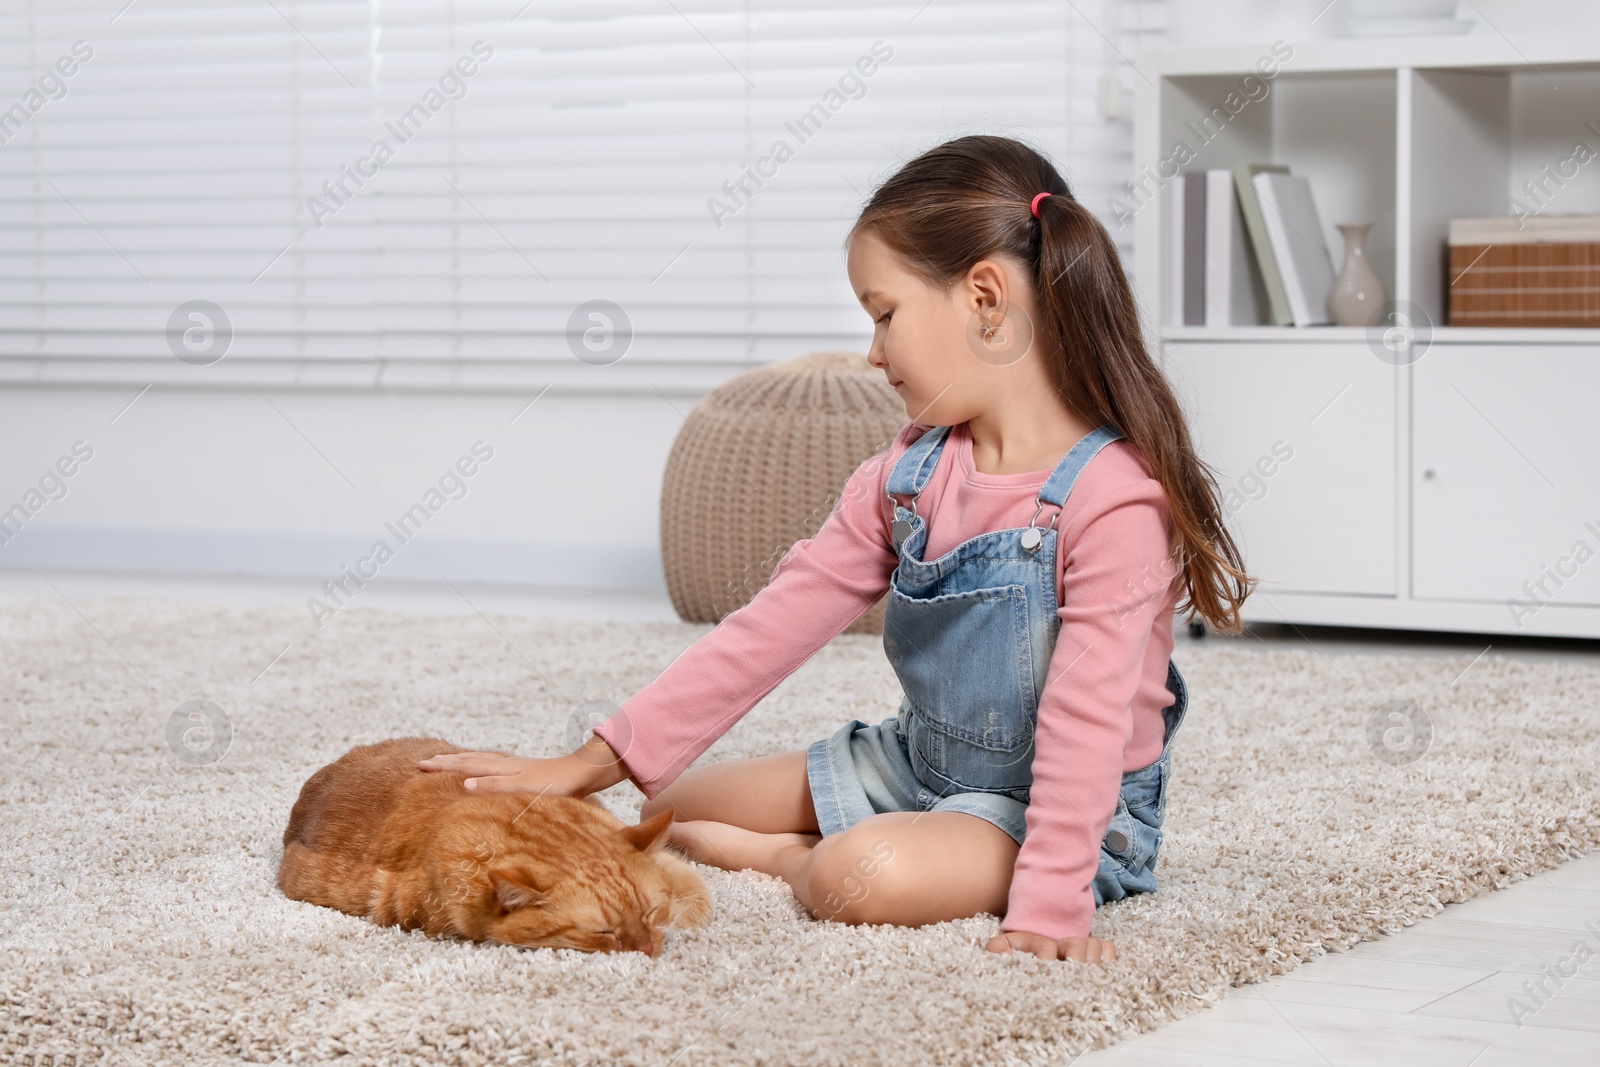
pixel 374 836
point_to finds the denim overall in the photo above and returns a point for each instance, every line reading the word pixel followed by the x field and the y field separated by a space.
pixel 970 636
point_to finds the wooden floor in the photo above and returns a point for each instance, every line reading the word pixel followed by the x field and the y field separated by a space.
pixel 1435 993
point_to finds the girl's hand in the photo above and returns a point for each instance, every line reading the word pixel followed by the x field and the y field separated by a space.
pixel 1082 949
pixel 579 773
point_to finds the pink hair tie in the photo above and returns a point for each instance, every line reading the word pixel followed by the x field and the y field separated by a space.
pixel 1034 207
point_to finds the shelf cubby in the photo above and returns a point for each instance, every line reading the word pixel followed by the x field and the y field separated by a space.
pixel 1431 491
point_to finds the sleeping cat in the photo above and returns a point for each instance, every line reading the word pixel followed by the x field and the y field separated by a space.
pixel 372 835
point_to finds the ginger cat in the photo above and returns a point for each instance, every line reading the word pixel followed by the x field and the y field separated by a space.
pixel 372 835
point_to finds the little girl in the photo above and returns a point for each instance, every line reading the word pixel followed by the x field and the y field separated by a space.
pixel 1033 526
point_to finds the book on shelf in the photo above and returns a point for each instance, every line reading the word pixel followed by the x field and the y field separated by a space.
pixel 1212 276
pixel 1234 292
pixel 1277 301
pixel 1541 270
pixel 1176 195
pixel 1194 248
pixel 1294 231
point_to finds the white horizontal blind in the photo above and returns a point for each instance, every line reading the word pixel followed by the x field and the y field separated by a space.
pixel 535 156
pixel 175 167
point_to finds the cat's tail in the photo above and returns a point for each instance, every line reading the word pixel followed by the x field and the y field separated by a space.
pixel 322 878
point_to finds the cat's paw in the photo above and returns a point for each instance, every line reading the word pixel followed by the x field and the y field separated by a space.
pixel 689 840
pixel 691 903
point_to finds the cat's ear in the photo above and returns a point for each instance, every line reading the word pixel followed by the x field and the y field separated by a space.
pixel 515 888
pixel 650 835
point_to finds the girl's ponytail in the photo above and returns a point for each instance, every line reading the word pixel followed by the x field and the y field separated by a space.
pixel 974 197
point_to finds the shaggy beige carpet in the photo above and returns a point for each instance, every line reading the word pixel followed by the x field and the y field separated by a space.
pixel 142 925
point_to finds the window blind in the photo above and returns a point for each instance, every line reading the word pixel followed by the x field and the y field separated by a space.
pixel 394 180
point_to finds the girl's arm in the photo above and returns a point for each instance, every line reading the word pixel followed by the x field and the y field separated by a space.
pixel 589 768
pixel 818 588
pixel 1116 584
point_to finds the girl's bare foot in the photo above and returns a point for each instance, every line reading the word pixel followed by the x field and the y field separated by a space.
pixel 733 848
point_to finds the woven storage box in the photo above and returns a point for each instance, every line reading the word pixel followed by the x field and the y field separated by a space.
pixel 1543 284
pixel 1523 270
pixel 757 466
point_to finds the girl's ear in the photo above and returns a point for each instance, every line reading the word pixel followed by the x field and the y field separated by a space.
pixel 650 835
pixel 515 888
pixel 987 287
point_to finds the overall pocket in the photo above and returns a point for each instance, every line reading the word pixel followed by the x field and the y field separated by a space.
pixel 1134 836
pixel 966 665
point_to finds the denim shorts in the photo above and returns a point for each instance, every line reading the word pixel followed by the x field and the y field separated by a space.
pixel 864 770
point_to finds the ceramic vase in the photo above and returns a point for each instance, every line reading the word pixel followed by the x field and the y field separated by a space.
pixel 1357 291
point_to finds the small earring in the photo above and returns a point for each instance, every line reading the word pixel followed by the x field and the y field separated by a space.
pixel 989 331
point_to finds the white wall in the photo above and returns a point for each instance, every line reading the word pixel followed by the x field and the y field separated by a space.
pixel 234 481
pixel 378 349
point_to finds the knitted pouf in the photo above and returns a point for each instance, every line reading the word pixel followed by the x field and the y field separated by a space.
pixel 757 466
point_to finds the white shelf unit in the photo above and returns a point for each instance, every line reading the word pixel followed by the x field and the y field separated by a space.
pixel 1459 491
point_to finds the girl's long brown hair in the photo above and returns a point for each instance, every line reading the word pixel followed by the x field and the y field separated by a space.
pixel 969 199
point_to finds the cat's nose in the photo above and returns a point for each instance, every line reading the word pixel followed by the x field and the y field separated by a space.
pixel 648 948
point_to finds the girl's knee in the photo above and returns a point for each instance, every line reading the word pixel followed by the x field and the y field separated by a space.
pixel 851 878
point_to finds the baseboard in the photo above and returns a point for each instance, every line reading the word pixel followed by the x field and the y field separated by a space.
pixel 323 557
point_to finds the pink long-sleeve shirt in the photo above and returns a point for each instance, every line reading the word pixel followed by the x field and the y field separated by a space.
pixel 1099 712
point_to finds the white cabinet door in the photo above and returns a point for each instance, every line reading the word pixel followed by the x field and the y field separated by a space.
pixel 1303 439
pixel 1506 475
